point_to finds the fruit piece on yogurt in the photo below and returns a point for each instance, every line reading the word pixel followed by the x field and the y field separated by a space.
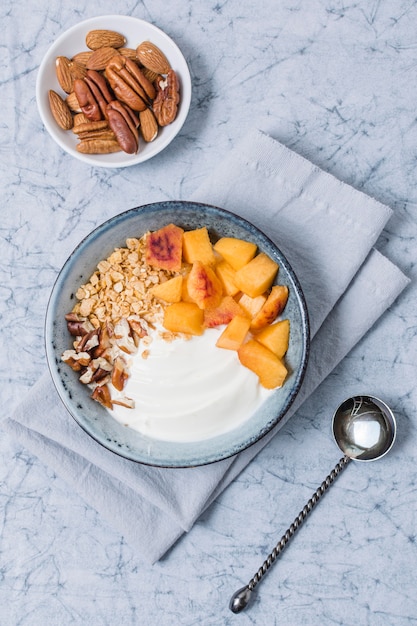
pixel 252 306
pixel 257 276
pixel 275 337
pixel 226 273
pixel 203 286
pixel 164 248
pixel 170 290
pixel 274 305
pixel 197 247
pixel 223 313
pixel 236 252
pixel 185 294
pixel 184 317
pixel 234 334
pixel 270 370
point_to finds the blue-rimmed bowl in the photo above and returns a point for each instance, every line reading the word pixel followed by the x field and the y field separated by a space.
pixel 97 421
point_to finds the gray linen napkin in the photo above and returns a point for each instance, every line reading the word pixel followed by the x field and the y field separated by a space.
pixel 327 231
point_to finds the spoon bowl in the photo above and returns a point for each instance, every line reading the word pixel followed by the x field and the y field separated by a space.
pixel 364 429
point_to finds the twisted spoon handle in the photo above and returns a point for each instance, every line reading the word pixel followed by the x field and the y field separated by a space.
pixel 241 598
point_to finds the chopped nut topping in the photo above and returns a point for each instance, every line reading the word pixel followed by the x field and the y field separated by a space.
pixel 114 312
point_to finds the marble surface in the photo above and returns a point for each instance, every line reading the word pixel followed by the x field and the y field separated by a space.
pixel 336 82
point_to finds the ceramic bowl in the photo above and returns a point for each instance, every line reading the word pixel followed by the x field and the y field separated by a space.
pixel 73 41
pixel 97 421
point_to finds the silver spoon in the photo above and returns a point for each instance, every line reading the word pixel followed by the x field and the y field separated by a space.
pixel 364 429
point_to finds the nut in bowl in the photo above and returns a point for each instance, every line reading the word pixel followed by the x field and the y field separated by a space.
pixel 113 91
pixel 189 352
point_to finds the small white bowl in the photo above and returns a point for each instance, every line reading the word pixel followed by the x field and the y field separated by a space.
pixel 73 41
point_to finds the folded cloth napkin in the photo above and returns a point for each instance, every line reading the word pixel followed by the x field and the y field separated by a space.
pixel 327 231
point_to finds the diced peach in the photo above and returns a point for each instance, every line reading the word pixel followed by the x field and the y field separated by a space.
pixel 223 313
pixel 234 334
pixel 184 292
pixel 170 290
pixel 274 305
pixel 252 306
pixel 197 247
pixel 163 248
pixel 203 286
pixel 275 337
pixel 226 273
pixel 184 317
pixel 270 370
pixel 257 276
pixel 236 252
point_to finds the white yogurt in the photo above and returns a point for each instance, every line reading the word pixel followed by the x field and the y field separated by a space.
pixel 189 390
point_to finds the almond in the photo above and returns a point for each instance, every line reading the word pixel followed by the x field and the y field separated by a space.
pixel 150 75
pixel 63 73
pixel 100 57
pixel 73 103
pixel 82 57
pixel 77 70
pixel 148 125
pixel 130 53
pixel 102 38
pixel 152 57
pixel 60 110
pixel 67 71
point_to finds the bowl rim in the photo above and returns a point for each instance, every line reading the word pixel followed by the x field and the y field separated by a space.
pixel 111 160
pixel 243 445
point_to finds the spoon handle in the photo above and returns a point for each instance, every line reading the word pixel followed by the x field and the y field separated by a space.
pixel 240 598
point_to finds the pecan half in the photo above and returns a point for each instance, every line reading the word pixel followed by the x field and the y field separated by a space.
pixel 98 146
pixel 100 90
pixel 88 104
pixel 123 123
pixel 129 84
pixel 165 105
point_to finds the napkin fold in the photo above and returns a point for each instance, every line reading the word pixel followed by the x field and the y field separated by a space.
pixel 327 231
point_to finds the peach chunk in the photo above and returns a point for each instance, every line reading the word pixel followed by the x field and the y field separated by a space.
pixel 163 248
pixel 226 273
pixel 275 337
pixel 234 334
pixel 274 305
pixel 223 313
pixel 184 291
pixel 184 317
pixel 270 370
pixel 256 276
pixel 252 306
pixel 197 247
pixel 203 286
pixel 170 290
pixel 236 252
